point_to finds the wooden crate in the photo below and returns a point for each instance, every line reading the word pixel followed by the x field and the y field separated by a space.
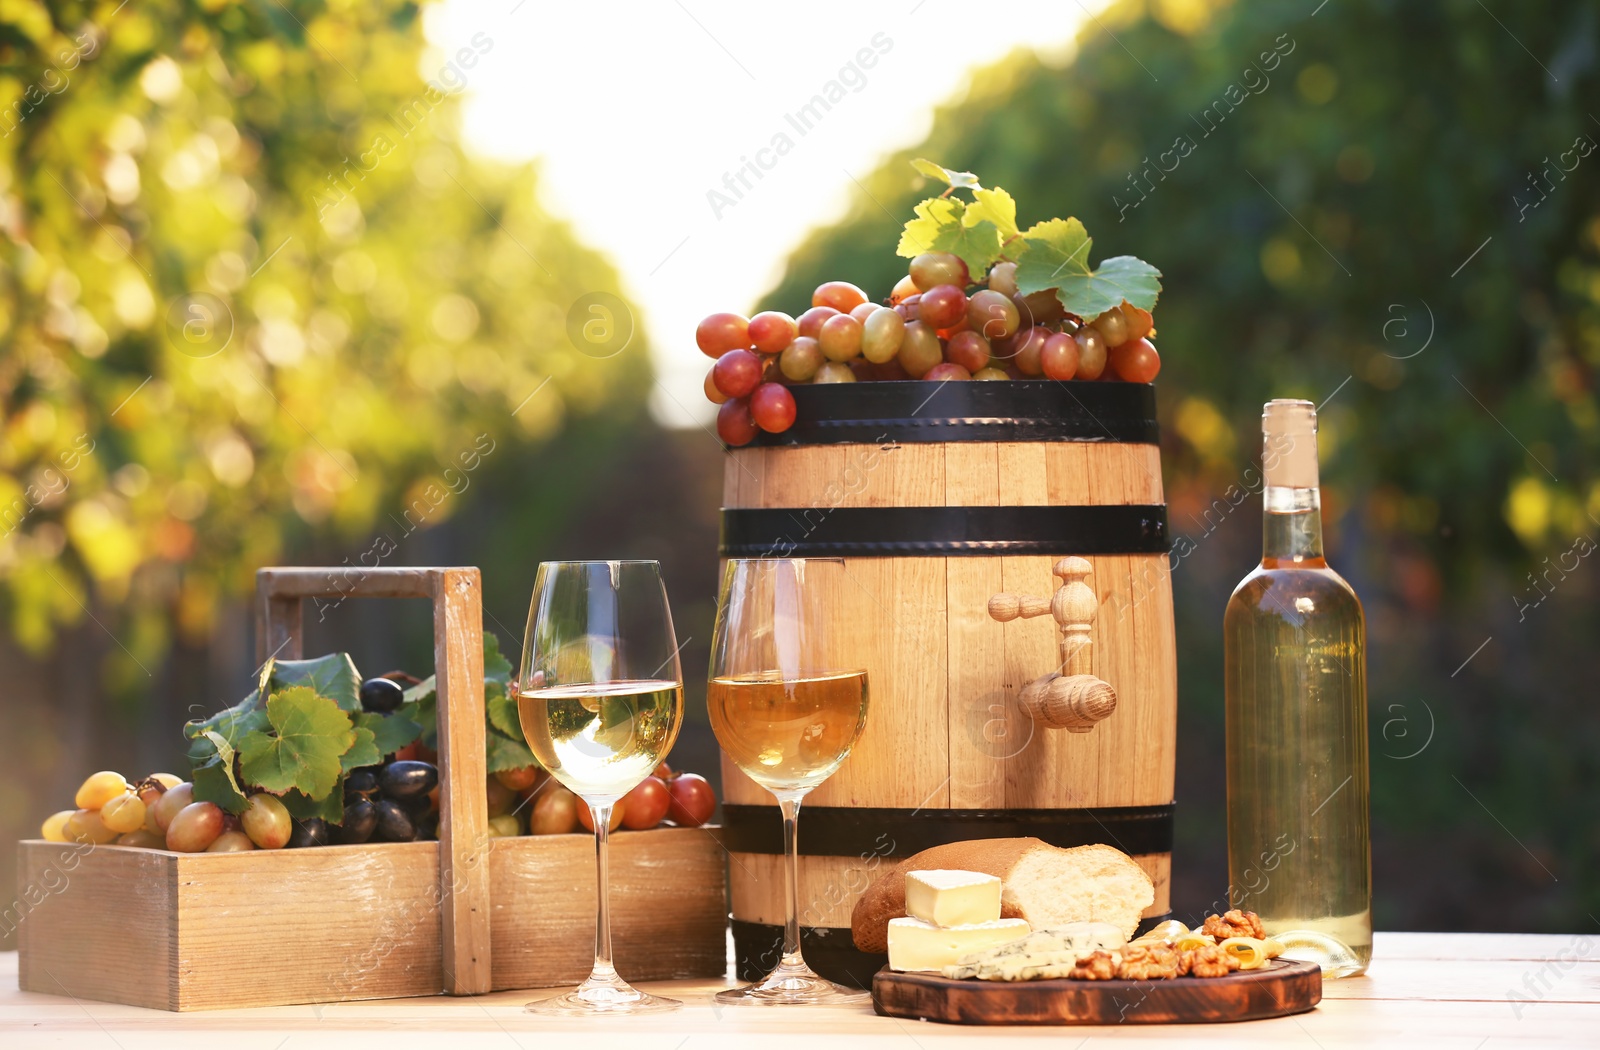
pixel 463 915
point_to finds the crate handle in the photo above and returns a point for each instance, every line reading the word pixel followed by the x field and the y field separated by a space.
pixel 457 595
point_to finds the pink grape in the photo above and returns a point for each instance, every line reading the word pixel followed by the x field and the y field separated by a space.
pixel 737 372
pixel 772 407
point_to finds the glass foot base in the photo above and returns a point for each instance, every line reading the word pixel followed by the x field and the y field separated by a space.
pixel 793 985
pixel 603 995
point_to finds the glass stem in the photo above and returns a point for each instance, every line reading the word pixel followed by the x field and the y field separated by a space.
pixel 602 917
pixel 791 881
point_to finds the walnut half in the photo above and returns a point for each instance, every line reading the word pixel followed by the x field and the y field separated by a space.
pixel 1096 966
pixel 1234 923
pixel 1208 961
pixel 1148 963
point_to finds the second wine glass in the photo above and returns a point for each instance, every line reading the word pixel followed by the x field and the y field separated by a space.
pixel 787 707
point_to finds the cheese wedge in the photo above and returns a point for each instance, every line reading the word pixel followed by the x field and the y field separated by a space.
pixel 946 897
pixel 918 945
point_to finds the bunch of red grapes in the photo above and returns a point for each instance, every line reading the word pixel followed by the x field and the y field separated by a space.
pixel 933 328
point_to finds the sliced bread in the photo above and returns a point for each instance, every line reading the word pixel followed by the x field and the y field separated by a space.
pixel 1044 884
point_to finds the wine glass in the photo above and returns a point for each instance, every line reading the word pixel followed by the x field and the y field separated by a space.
pixel 600 701
pixel 787 713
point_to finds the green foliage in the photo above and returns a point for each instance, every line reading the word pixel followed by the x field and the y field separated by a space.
pixel 389 732
pixel 503 738
pixel 1055 247
pixel 1118 280
pixel 333 676
pixel 1052 256
pixel 423 700
pixel 214 779
pixel 290 744
pixel 954 179
pixel 305 746
pixel 379 307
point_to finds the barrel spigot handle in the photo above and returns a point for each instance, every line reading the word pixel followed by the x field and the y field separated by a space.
pixel 1069 697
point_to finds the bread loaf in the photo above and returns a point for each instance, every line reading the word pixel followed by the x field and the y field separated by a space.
pixel 1044 884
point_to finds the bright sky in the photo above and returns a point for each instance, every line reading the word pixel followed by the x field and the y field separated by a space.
pixel 637 110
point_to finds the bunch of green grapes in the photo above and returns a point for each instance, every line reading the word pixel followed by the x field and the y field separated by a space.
pixel 934 326
pixel 160 812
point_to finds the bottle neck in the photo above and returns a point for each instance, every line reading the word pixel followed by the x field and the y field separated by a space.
pixel 1292 536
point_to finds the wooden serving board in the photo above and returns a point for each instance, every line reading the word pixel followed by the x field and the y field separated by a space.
pixel 1276 990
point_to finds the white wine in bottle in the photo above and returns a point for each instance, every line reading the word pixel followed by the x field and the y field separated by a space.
pixel 1296 666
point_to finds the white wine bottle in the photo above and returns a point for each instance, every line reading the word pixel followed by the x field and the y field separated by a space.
pixel 1296 667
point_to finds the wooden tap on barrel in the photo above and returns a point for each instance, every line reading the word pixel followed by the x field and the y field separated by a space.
pixel 1069 697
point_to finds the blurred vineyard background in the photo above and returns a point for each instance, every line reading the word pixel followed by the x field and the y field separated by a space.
pixel 257 313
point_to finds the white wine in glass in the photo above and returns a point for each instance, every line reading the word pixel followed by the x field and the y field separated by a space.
pixel 601 702
pixel 787 734
pixel 787 713
pixel 601 740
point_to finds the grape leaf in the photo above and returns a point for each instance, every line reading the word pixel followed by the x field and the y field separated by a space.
pixel 1091 294
pixel 940 227
pixel 994 206
pixel 213 778
pixel 496 668
pixel 232 723
pixel 1055 248
pixel 390 732
pixel 329 808
pixel 333 676
pixel 422 706
pixel 309 734
pixel 957 180
pixel 978 246
pixel 363 752
pixel 933 215
pixel 502 710
pixel 506 753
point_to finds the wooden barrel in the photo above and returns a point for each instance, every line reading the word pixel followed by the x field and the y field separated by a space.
pixel 940 496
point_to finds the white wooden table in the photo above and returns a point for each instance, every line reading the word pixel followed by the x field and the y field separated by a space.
pixel 1466 991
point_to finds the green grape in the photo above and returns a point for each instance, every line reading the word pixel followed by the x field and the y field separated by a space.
pixel 123 814
pixel 1091 352
pixel 231 842
pixel 85 825
pixel 921 349
pixel 171 803
pixel 840 338
pixel 931 269
pixel 101 788
pixel 195 827
pixel 266 820
pixel 55 826
pixel 1003 278
pixel 881 336
pixel 992 315
pixel 834 372
pixel 1113 326
pixel 801 359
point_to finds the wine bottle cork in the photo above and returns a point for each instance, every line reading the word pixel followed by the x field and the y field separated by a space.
pixel 1289 443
